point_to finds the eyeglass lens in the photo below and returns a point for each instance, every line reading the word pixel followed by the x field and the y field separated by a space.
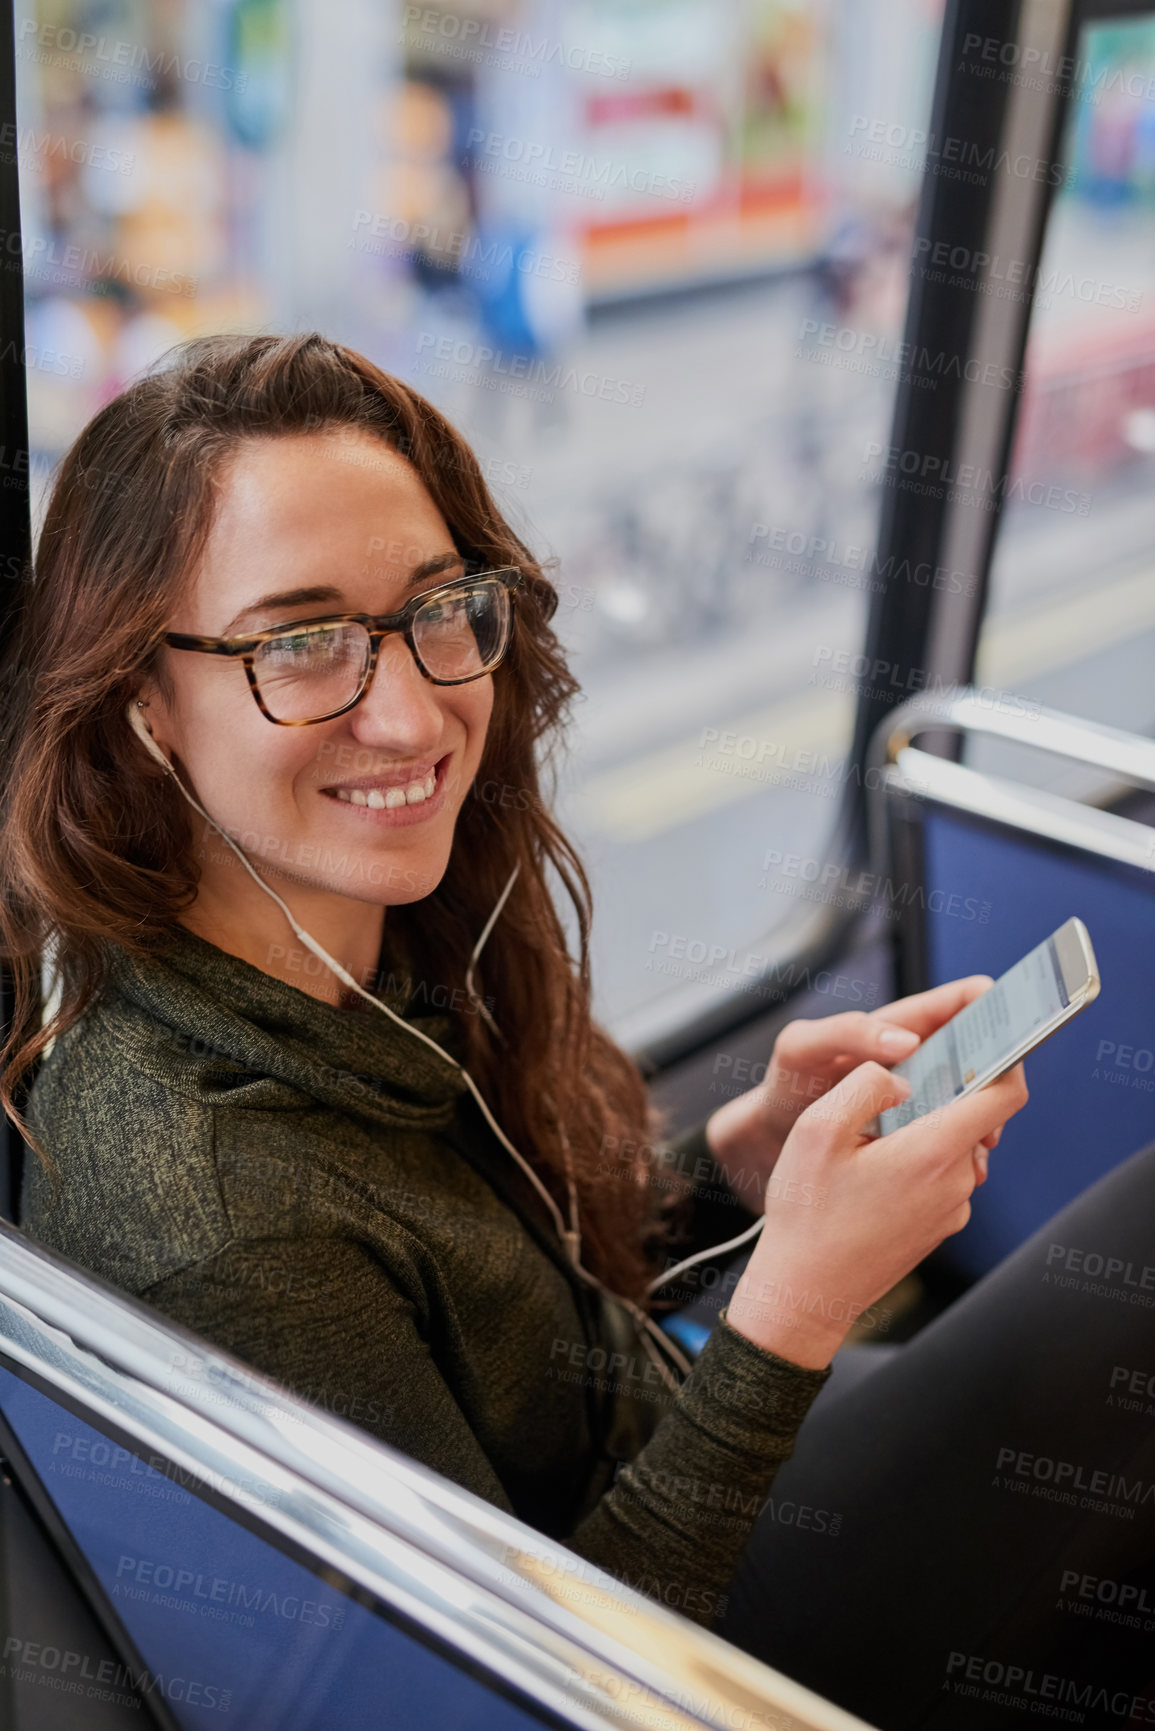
pixel 307 673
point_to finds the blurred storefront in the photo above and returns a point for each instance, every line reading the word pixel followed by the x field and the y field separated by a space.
pixel 194 165
pixel 141 136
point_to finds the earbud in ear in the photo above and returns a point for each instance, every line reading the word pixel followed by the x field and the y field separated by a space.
pixel 140 727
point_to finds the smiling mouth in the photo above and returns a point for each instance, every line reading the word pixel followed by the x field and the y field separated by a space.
pixel 380 793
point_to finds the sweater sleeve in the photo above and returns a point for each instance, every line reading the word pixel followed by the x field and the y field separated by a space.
pixel 323 1317
pixel 679 1514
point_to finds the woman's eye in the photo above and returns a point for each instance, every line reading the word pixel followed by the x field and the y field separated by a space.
pixel 294 646
pixel 306 643
pixel 449 607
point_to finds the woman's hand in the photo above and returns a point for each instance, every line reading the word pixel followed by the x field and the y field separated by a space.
pixel 810 1056
pixel 885 1204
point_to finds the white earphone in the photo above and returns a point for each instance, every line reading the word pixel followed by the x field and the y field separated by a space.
pixel 570 1235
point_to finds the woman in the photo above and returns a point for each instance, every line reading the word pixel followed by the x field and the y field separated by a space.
pixel 438 1221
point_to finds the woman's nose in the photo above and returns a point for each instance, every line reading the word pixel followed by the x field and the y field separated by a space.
pixel 399 703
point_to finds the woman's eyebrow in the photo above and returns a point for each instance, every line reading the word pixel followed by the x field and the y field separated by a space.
pixel 283 598
pixel 433 568
pixel 326 592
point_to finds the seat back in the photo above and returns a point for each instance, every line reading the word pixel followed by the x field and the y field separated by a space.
pixel 248 1554
pixel 982 869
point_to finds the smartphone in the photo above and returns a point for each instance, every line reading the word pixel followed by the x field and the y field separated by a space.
pixel 989 1035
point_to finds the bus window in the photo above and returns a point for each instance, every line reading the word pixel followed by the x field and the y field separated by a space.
pixel 652 261
pixel 1071 618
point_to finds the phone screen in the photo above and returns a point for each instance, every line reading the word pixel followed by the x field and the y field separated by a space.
pixel 972 1043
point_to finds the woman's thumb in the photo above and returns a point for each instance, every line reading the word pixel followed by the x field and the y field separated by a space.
pixel 861 1095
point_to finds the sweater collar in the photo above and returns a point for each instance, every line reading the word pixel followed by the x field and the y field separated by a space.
pixel 217 1010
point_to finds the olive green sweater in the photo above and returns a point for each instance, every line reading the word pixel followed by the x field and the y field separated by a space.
pixel 318 1193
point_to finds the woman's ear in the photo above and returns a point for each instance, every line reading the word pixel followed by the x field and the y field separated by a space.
pixel 140 721
pixel 150 705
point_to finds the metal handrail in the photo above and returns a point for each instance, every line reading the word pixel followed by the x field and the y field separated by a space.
pixel 895 765
pixel 964 709
pixel 509 1598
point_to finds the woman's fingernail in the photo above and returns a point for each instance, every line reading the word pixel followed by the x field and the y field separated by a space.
pixel 898 1039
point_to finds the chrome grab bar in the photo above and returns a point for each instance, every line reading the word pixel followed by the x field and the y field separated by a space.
pixel 1126 755
pixel 895 765
pixel 510 1599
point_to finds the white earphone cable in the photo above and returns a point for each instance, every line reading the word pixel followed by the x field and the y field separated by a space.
pixel 701 1255
pixel 569 1235
pixel 477 948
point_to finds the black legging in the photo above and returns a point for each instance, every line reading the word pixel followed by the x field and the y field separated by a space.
pixel 993 1488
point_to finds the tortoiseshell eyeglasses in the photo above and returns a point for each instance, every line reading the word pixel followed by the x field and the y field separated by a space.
pixel 315 669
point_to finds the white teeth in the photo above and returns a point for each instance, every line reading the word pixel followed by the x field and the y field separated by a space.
pixel 414 794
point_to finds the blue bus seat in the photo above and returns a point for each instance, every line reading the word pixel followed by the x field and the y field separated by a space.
pixel 981 871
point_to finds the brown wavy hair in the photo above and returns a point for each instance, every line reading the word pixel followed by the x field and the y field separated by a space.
pixel 96 846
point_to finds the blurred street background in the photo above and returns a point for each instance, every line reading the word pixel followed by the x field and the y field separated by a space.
pixel 653 258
